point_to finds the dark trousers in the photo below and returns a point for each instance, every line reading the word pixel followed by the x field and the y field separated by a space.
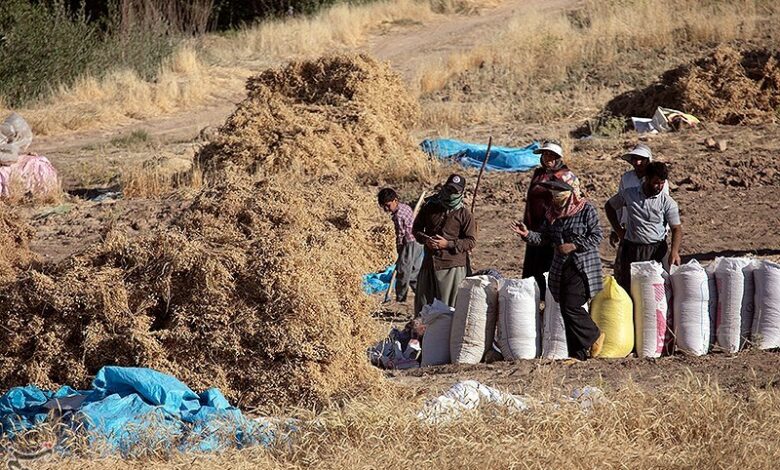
pixel 631 252
pixel 538 260
pixel 581 330
pixel 407 268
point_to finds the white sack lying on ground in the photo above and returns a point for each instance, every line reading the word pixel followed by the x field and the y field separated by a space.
pixel 691 308
pixel 519 324
pixel 474 320
pixel 467 395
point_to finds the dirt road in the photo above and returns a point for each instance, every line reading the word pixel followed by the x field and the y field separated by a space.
pixel 407 46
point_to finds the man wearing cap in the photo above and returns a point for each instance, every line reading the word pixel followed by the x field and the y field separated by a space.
pixel 538 259
pixel 445 227
pixel 571 226
pixel 648 210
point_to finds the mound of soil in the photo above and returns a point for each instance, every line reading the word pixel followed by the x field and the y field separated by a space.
pixel 728 87
pixel 255 288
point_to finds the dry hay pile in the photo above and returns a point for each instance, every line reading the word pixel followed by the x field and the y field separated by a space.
pixel 256 287
pixel 728 87
pixel 15 236
pixel 342 116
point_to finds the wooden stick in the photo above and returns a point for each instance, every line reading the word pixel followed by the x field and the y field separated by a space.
pixel 481 170
pixel 395 269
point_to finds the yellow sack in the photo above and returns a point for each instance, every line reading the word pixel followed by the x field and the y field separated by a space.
pixel 613 312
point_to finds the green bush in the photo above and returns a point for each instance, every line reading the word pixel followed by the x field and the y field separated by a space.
pixel 46 44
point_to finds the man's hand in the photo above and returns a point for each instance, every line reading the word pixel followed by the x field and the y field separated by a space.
pixel 438 243
pixel 614 239
pixel 674 259
pixel 567 248
pixel 520 229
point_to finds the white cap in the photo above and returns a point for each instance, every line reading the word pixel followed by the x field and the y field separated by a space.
pixel 550 147
pixel 640 150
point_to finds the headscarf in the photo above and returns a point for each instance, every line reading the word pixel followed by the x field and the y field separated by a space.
pixel 575 203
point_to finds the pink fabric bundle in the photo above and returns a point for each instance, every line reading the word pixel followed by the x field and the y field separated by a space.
pixel 34 173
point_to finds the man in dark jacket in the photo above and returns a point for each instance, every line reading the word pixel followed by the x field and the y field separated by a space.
pixel 446 228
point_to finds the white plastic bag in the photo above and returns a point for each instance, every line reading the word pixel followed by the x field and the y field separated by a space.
pixel 474 321
pixel 519 325
pixel 15 136
pixel 468 395
pixel 648 290
pixel 437 318
pixel 691 308
pixel 766 317
pixel 734 277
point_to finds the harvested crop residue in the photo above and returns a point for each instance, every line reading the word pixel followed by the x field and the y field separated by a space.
pixel 728 87
pixel 323 119
pixel 255 288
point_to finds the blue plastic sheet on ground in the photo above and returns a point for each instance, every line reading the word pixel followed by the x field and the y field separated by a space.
pixel 379 281
pixel 508 159
pixel 128 405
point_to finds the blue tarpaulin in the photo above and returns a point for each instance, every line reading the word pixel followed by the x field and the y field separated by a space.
pixel 507 159
pixel 378 282
pixel 128 404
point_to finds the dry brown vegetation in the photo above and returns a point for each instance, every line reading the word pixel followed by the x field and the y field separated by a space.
pixel 214 67
pixel 258 276
pixel 255 286
pixel 564 65
pixel 686 424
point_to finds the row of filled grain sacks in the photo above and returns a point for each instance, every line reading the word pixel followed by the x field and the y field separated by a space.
pixel 488 311
pixel 727 305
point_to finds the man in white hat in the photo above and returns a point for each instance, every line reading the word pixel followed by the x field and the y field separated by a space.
pixel 639 157
pixel 538 258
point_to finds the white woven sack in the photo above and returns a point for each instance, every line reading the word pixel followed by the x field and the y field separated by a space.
pixel 553 331
pixel 766 317
pixel 437 318
pixel 519 325
pixel 712 287
pixel 691 308
pixel 648 290
pixel 471 333
pixel 734 278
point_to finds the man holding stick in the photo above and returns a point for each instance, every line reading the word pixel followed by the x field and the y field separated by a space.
pixel 446 228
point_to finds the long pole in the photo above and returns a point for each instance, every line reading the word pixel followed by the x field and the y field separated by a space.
pixel 395 270
pixel 481 170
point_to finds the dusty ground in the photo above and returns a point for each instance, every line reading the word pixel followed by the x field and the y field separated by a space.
pixel 728 201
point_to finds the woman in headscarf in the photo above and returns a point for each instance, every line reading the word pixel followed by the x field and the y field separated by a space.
pixel 571 228
pixel 538 259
